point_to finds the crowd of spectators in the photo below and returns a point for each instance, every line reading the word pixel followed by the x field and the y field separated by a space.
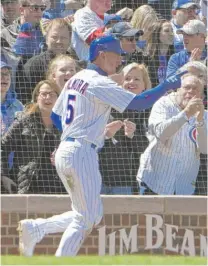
pixel 157 151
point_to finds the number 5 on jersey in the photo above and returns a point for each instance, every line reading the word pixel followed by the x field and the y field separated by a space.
pixel 70 109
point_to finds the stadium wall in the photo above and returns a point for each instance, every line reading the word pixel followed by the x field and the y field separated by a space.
pixel 186 216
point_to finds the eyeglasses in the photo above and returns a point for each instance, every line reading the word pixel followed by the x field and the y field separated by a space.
pixel 45 94
pixel 130 39
pixel 192 8
pixel 36 7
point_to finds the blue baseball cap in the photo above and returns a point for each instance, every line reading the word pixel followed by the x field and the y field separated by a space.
pixel 107 43
pixel 124 29
pixel 5 65
pixel 112 17
pixel 183 4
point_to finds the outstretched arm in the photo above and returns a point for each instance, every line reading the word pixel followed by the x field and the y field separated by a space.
pixel 146 99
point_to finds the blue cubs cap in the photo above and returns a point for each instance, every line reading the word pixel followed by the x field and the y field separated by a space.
pixel 124 29
pixel 177 4
pixel 107 43
pixel 112 17
pixel 5 65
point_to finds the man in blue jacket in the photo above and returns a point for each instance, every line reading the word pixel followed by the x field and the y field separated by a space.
pixel 182 12
pixel 194 34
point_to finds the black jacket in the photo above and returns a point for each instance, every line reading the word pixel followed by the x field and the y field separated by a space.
pixel 33 72
pixel 119 162
pixel 26 138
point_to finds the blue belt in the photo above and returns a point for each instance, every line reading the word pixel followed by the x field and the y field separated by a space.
pixel 73 139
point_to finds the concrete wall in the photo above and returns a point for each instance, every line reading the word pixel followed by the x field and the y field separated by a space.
pixel 119 212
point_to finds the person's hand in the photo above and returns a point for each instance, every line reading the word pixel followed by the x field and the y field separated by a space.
pixel 194 107
pixel 52 157
pixel 196 55
pixel 112 128
pixel 8 183
pixel 129 128
pixel 69 19
pixel 200 112
pixel 73 4
pixel 126 13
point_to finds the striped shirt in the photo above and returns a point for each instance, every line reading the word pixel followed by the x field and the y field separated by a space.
pixel 170 163
pixel 85 23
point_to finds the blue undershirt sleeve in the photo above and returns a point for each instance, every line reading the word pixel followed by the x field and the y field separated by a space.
pixel 56 121
pixel 146 99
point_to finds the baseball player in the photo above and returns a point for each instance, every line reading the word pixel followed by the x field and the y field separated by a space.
pixel 81 113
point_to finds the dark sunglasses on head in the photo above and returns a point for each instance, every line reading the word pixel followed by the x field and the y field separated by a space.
pixel 131 39
pixel 36 7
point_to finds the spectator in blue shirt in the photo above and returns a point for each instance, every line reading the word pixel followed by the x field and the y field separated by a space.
pixel 9 103
pixel 29 41
pixel 182 12
pixel 194 34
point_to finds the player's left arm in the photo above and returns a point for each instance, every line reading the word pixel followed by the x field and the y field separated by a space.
pixel 146 99
pixel 56 114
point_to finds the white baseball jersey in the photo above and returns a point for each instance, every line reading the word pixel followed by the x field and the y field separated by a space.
pixel 85 22
pixel 85 105
pixel 171 161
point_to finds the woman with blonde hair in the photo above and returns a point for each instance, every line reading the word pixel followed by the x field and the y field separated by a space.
pixel 33 138
pixel 136 78
pixel 119 158
pixel 61 69
pixel 144 18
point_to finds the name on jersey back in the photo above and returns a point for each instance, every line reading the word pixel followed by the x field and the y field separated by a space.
pixel 78 85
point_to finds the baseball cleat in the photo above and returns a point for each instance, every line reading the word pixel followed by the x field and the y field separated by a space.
pixel 26 240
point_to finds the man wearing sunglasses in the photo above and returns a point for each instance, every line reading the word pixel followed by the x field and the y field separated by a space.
pixel 30 11
pixel 182 12
pixel 127 35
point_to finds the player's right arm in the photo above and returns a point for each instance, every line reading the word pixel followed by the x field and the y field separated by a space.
pixel 108 92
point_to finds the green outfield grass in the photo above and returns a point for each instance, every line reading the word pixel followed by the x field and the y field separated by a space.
pixel 106 260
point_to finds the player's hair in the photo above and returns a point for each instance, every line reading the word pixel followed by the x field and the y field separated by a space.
pixel 143 69
pixel 33 107
pixel 198 66
pixel 197 79
pixel 55 62
pixel 144 18
pixel 57 22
